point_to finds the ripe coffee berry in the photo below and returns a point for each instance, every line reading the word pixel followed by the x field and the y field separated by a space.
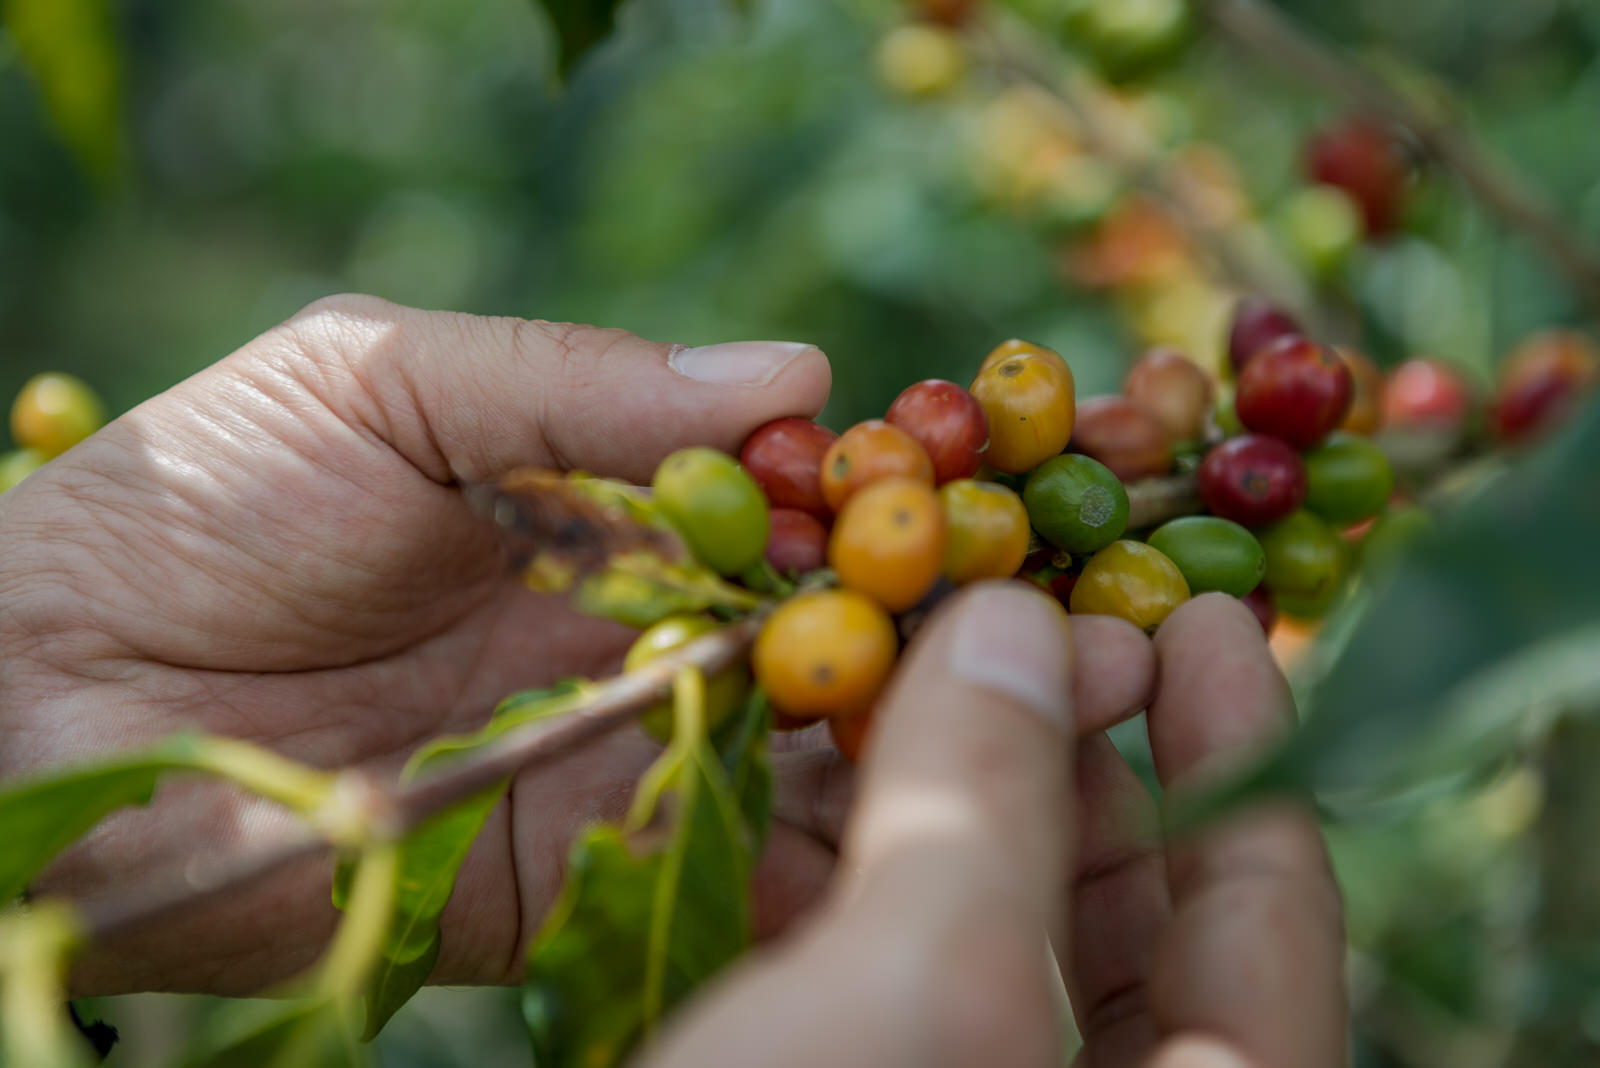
pixel 715 505
pixel 1541 383
pixel 1253 480
pixel 868 452
pixel 849 734
pixel 1132 581
pixel 725 691
pixel 826 653
pixel 798 543
pixel 889 541
pixel 986 529
pixel 785 458
pixel 1259 601
pixel 948 423
pixel 1362 157
pixel 1028 400
pixel 1426 394
pixel 1129 440
pixel 1076 503
pixel 1257 323
pixel 1295 390
pixel 1171 387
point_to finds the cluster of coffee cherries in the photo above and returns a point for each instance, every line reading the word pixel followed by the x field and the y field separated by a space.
pixel 51 413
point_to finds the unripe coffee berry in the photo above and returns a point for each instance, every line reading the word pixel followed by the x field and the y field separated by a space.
pixel 715 506
pixel 1076 503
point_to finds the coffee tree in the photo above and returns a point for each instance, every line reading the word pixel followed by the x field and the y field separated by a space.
pixel 1435 535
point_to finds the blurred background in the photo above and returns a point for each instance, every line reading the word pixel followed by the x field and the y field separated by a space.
pixel 178 175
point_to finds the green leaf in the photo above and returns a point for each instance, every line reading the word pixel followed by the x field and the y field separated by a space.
pixel 43 816
pixel 35 945
pixel 649 910
pixel 276 1034
pixel 431 856
pixel 741 741
pixel 579 25
pixel 70 48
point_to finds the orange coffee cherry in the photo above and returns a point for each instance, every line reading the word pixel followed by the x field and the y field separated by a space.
pixel 850 734
pixel 888 542
pixel 826 653
pixel 868 452
pixel 1132 581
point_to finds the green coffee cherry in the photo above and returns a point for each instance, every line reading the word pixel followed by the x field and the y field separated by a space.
pixel 1393 533
pixel 1307 562
pixel 18 465
pixel 1348 479
pixel 725 691
pixel 1076 503
pixel 1213 553
pixel 715 505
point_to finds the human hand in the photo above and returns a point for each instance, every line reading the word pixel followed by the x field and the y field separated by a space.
pixel 1220 951
pixel 274 550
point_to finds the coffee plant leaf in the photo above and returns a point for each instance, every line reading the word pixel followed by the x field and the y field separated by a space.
pixel 70 49
pixel 300 1033
pixel 650 909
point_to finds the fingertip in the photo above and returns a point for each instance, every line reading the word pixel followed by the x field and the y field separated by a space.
pixel 1115 674
pixel 1195 1051
pixel 1210 616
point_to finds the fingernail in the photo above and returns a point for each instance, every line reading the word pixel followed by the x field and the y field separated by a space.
pixel 735 363
pixel 1014 641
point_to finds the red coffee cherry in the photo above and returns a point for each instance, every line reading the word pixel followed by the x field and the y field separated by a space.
pixel 1257 323
pixel 1253 480
pixel 1426 394
pixel 1363 157
pixel 949 424
pixel 797 542
pixel 1123 436
pixel 1174 389
pixel 1542 383
pixel 785 458
pixel 1260 603
pixel 1295 390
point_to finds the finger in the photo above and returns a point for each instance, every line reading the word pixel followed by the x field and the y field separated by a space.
pixel 1119 908
pixel 1256 948
pixel 1195 1051
pixel 1114 676
pixel 464 396
pixel 970 757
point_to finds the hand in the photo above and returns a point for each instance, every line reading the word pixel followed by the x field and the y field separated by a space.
pixel 273 550
pixel 1224 951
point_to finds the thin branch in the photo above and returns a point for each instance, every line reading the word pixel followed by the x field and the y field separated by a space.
pixel 1497 185
pixel 396 811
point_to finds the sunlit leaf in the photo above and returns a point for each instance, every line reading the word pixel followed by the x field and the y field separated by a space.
pixel 649 911
pixel 70 48
pixel 431 856
pixel 35 947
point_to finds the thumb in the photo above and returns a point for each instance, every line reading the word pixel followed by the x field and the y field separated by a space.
pixel 469 397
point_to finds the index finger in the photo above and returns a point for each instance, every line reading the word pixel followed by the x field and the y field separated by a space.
pixel 1255 953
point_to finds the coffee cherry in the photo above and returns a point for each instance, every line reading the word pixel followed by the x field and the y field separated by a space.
pixel 1132 581
pixel 1259 601
pixel 1427 394
pixel 849 734
pixel 888 542
pixel 1257 323
pixel 53 412
pixel 917 59
pixel 1017 347
pixel 1174 389
pixel 716 507
pixel 1213 553
pixel 947 422
pixel 797 543
pixel 1395 531
pixel 1323 226
pixel 986 529
pixel 1362 157
pixel 947 12
pixel 1076 503
pixel 826 653
pixel 1347 479
pixel 1295 390
pixel 1128 40
pixel 1541 384
pixel 1365 414
pixel 785 458
pixel 1253 480
pixel 1306 564
pixel 725 691
pixel 17 465
pixel 868 452
pixel 1029 403
pixel 1125 437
